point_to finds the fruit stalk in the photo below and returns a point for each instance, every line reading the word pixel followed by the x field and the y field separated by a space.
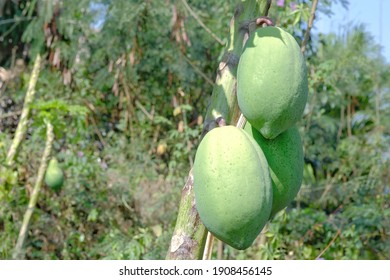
pixel 310 25
pixel 18 251
pixel 189 236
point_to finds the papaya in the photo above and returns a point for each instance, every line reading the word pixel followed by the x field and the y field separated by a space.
pixel 54 177
pixel 232 185
pixel 284 155
pixel 272 84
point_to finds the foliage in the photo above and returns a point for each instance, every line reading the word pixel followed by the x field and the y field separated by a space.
pixel 126 83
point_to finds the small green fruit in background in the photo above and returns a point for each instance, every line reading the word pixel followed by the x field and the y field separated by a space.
pixel 54 177
pixel 272 81
pixel 232 184
pixel 284 155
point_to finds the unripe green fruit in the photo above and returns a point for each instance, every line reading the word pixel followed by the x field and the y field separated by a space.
pixel 232 184
pixel 284 155
pixel 54 177
pixel 272 81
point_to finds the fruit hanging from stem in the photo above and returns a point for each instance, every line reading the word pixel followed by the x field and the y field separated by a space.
pixel 54 177
pixel 232 184
pixel 272 81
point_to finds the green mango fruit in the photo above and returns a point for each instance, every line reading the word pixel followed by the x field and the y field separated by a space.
pixel 284 155
pixel 232 185
pixel 54 177
pixel 272 81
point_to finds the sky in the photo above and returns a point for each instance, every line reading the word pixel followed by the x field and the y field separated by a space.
pixel 374 14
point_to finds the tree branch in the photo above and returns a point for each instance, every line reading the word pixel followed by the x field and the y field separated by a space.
pixel 197 70
pixel 330 243
pixel 310 25
pixel 196 17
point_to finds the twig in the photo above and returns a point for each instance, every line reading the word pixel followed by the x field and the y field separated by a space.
pixel 15 20
pixel 349 116
pixel 330 243
pixel 196 17
pixel 197 70
pixel 143 109
pixel 22 125
pixel 18 252
pixel 130 112
pixel 98 133
pixel 313 227
pixel 310 25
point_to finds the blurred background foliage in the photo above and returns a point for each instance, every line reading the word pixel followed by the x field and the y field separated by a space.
pixel 126 84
